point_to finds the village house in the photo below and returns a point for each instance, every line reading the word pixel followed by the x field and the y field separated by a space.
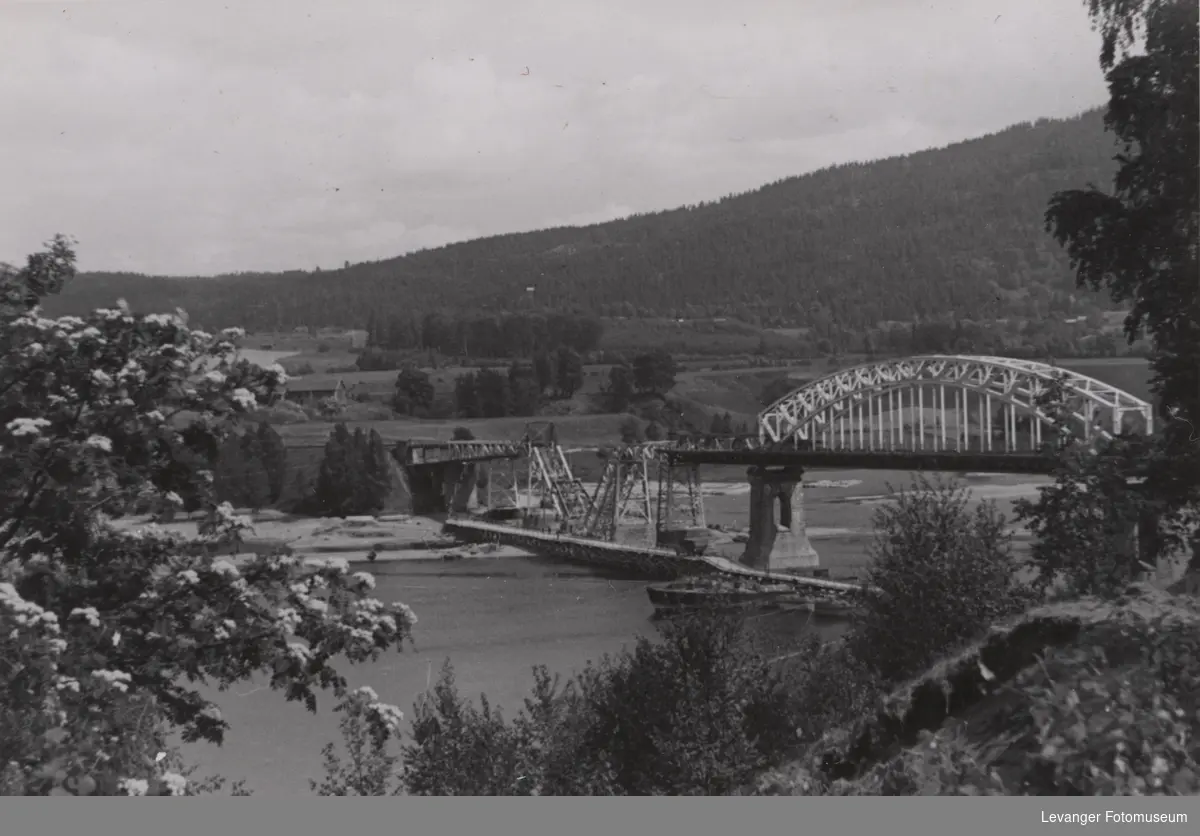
pixel 312 389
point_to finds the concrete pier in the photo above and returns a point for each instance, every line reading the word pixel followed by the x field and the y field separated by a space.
pixel 778 536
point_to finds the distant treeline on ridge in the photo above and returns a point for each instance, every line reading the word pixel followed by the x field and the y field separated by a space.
pixel 951 232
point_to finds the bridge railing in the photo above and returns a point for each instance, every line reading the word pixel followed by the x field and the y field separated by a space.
pixel 437 452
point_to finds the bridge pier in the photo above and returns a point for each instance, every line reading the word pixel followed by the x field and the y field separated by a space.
pixel 778 540
pixel 459 480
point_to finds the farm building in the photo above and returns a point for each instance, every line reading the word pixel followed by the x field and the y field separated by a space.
pixel 312 389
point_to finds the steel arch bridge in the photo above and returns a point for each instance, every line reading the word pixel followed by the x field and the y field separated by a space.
pixel 947 403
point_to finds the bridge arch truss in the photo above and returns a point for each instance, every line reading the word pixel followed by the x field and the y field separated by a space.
pixel 947 402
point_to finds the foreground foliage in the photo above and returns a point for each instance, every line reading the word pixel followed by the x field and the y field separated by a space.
pixel 105 633
pixel 1113 709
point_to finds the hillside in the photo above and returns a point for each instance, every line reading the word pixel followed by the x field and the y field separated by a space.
pixel 951 230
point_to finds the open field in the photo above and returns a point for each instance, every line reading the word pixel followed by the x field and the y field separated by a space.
pixel 721 337
pixel 573 431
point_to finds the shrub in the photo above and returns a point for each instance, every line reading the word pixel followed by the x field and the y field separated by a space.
pixel 458 749
pixel 830 687
pixel 368 727
pixel 1116 714
pixel 940 575
pixel 282 412
pixel 698 712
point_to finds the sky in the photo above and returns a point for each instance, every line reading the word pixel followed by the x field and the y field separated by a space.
pixel 193 137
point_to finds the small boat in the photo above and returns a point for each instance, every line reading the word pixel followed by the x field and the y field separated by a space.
pixel 718 593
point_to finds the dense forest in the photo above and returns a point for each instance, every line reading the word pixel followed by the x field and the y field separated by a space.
pixel 956 231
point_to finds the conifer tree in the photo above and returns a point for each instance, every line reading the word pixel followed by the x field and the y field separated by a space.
pixel 274 459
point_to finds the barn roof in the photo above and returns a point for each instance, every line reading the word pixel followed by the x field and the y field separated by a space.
pixel 314 383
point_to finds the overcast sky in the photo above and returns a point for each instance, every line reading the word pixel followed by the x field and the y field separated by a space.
pixel 203 136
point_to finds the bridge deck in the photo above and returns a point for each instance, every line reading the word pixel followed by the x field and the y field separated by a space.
pixel 962 462
pixel 645 559
pixel 442 452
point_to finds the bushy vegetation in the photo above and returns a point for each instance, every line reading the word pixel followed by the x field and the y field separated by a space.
pixel 104 633
pixel 940 574
pixel 698 712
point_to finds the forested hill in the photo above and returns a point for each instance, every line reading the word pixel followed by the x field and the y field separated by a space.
pixel 951 231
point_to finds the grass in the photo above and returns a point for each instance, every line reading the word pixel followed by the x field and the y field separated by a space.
pixel 1129 374
pixel 704 337
pixel 583 430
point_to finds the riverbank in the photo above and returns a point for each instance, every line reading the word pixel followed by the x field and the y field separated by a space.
pixel 392 537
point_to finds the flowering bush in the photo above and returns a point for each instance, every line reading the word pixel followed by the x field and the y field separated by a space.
pixel 103 633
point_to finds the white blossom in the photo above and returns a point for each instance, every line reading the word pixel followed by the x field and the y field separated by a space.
pixel 174 498
pixel 99 442
pixel 289 619
pixel 364 579
pixel 189 576
pixel 224 567
pixel 88 614
pixel 215 377
pixel 134 786
pixel 244 398
pixel 100 378
pixel 117 679
pixel 405 612
pixel 27 426
pixel 175 783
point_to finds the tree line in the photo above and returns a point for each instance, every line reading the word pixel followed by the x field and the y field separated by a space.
pixel 519 335
pixel 954 230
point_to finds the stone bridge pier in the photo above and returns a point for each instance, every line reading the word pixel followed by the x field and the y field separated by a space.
pixel 442 487
pixel 778 533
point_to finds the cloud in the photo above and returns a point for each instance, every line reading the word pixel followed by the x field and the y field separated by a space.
pixel 202 137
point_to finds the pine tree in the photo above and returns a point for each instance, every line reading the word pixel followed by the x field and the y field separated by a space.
pixel 274 460
pixel 543 368
pixel 466 396
pixel 377 471
pixel 568 376
pixel 256 487
pixel 334 492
